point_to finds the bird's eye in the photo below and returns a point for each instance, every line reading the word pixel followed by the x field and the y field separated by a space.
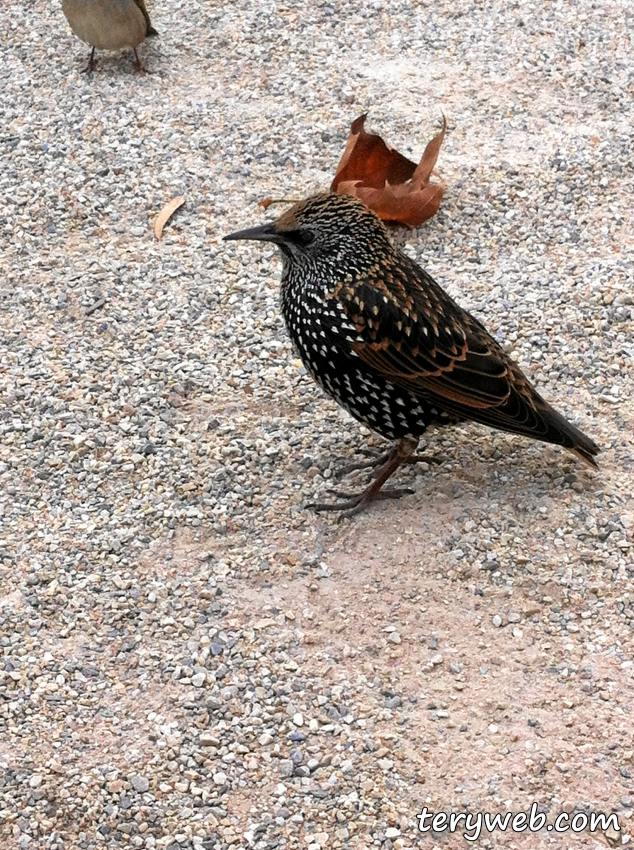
pixel 300 237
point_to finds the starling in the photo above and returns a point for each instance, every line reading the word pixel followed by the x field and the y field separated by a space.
pixel 109 25
pixel 389 345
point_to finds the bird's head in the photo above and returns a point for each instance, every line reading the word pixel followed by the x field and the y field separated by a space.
pixel 323 229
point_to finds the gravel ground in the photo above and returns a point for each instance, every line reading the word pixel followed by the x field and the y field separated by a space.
pixel 191 658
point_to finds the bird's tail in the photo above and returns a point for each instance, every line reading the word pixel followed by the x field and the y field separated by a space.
pixel 536 418
pixel 565 434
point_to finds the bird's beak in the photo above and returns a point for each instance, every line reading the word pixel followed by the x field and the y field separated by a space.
pixel 264 233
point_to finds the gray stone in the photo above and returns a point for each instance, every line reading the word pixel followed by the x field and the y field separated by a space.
pixel 140 783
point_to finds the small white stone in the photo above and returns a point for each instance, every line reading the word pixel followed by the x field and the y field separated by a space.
pixel 207 739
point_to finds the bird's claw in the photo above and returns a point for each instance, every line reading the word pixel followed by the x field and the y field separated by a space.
pixel 354 503
pixel 379 460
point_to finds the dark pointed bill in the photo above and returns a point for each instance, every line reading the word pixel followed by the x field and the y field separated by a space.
pixel 263 233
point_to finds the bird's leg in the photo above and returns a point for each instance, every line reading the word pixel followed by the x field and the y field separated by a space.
pixel 381 459
pixel 139 67
pixel 90 67
pixel 354 503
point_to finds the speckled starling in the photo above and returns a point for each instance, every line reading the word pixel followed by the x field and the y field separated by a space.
pixel 389 345
pixel 109 24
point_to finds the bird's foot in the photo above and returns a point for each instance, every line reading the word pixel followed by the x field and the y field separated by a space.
pixel 374 461
pixel 379 460
pixel 92 63
pixel 354 503
pixel 139 67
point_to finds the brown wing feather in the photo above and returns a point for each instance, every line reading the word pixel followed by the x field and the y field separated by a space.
pixel 475 379
pixel 425 342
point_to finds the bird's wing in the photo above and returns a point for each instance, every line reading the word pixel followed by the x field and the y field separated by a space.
pixel 411 332
pixel 404 327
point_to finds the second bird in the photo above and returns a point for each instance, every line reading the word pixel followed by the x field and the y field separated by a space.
pixel 109 25
pixel 392 347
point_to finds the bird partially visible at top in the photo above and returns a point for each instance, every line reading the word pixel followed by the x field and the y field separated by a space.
pixel 109 25
pixel 389 345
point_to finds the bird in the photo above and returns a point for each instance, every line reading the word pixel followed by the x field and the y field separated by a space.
pixel 381 337
pixel 109 25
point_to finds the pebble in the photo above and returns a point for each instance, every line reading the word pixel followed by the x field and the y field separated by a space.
pixel 208 740
pixel 286 768
pixel 140 783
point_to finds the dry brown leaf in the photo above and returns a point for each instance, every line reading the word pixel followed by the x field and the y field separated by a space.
pixel 265 203
pixel 166 213
pixel 386 181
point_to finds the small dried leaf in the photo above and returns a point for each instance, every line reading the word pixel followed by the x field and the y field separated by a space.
pixel 166 213
pixel 265 203
pixel 390 184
